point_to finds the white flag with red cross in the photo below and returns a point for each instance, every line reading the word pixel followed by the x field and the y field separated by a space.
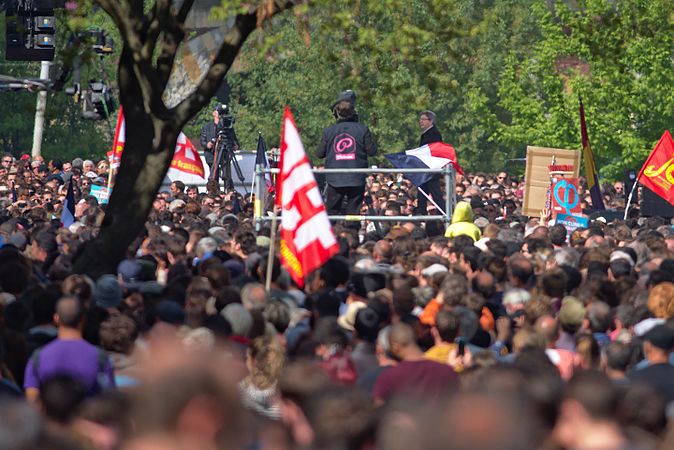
pixel 307 240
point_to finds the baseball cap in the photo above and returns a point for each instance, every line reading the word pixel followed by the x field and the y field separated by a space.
pixel 661 336
pixel 433 269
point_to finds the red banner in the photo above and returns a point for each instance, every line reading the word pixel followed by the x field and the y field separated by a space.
pixel 656 174
pixel 185 159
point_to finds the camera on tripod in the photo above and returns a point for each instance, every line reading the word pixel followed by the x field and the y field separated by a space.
pixel 226 119
pixel 225 143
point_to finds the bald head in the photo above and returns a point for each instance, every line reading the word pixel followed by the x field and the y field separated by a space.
pixel 254 296
pixel 547 327
pixel 402 336
pixel 69 312
pixel 382 251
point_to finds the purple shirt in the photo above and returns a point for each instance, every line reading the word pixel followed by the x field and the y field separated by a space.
pixel 76 358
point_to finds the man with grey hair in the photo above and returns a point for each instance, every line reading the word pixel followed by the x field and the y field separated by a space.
pixel 566 256
pixel 254 296
pixel 429 134
pixel 205 248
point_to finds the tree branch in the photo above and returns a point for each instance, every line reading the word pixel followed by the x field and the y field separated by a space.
pixel 243 26
pixel 170 40
pixel 184 11
pixel 159 18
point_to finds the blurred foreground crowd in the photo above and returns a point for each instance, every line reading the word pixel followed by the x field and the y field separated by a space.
pixel 496 332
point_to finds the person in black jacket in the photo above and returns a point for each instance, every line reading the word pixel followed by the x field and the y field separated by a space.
pixel 429 135
pixel 208 135
pixel 347 144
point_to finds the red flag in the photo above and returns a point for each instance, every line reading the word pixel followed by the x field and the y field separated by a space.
pixel 307 240
pixel 115 155
pixel 656 174
pixel 185 158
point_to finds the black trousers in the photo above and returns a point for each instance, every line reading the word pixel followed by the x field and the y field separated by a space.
pixel 432 188
pixel 335 199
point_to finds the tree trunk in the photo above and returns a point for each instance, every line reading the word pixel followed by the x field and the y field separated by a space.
pixel 151 128
pixel 148 152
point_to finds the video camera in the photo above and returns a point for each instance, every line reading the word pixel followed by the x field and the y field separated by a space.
pixel 226 121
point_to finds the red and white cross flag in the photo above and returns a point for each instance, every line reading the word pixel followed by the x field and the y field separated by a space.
pixel 307 240
pixel 186 159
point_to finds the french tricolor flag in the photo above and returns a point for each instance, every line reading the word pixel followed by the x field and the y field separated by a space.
pixel 430 156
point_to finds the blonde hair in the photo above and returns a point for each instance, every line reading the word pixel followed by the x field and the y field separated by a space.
pixel 661 300
pixel 268 360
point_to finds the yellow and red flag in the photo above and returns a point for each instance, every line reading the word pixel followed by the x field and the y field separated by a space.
pixel 307 240
pixel 656 174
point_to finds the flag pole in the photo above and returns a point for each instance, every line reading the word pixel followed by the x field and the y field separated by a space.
pixel 431 200
pixel 629 198
pixel 272 249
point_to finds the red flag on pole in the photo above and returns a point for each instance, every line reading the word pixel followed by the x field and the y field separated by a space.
pixel 185 157
pixel 307 240
pixel 656 174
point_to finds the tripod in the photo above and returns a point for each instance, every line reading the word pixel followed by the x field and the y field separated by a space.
pixel 223 160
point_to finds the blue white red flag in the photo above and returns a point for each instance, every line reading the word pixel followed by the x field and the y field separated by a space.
pixel 430 156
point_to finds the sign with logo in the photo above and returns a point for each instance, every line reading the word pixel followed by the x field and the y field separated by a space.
pixel 537 176
pixel 101 193
pixel 345 147
pixel 565 198
pixel 572 223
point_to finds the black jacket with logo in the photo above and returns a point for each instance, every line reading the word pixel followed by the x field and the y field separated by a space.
pixel 346 145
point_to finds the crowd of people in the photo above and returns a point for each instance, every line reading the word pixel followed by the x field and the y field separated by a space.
pixel 496 332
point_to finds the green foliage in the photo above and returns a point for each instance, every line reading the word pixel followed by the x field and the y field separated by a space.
pixel 401 57
pixel 618 57
pixel 500 74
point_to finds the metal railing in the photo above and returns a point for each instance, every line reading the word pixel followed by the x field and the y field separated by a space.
pixel 260 209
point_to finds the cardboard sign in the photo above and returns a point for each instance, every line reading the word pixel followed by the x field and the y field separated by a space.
pixel 565 197
pixel 572 223
pixel 537 176
pixel 101 193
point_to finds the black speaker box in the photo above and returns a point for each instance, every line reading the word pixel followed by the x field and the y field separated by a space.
pixel 654 205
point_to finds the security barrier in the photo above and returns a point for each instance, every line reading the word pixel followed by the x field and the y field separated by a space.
pixel 448 171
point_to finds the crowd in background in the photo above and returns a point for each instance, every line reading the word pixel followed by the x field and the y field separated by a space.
pixel 496 332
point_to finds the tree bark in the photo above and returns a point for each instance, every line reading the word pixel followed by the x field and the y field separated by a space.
pixel 148 151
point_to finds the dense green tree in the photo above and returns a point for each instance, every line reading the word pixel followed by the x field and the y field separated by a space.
pixel 617 56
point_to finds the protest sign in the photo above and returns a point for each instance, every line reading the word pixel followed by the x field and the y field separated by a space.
pixel 101 193
pixel 537 176
pixel 572 223
pixel 565 197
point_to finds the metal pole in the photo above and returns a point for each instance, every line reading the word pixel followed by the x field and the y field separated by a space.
pixel 272 250
pixel 373 218
pixel 39 111
pixel 449 194
pixel 259 205
pixel 629 199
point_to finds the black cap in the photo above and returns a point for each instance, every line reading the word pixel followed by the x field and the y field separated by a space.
pixel 346 96
pixel 364 282
pixel 661 336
